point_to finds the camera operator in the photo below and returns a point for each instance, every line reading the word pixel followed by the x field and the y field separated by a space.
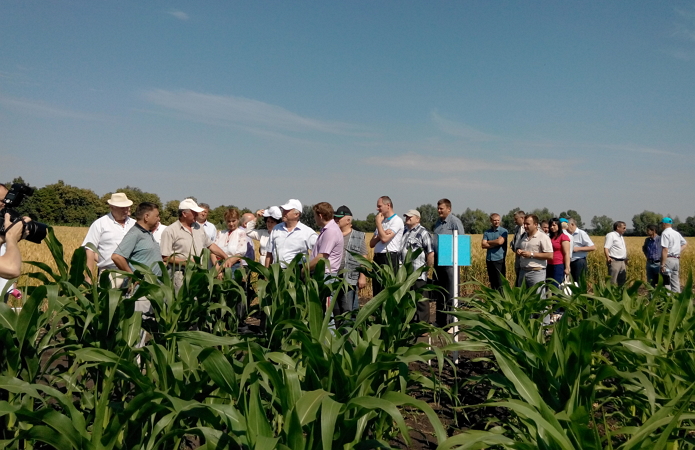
pixel 11 261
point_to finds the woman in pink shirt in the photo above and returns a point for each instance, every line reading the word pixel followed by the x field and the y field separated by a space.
pixel 560 266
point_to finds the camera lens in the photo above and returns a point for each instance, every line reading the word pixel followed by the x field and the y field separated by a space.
pixel 37 231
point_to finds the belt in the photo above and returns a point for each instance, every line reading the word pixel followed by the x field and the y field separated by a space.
pixel 675 256
pixel 618 259
pixel 535 269
pixel 652 261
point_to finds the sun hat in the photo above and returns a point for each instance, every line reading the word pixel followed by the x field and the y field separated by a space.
pixel 189 203
pixel 413 212
pixel 342 212
pixel 291 204
pixel 273 212
pixel 119 200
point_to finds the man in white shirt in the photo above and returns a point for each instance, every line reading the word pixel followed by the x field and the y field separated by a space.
pixel 582 246
pixel 202 219
pixel 157 233
pixel 386 241
pixel 616 254
pixel 672 245
pixel 107 232
pixel 291 237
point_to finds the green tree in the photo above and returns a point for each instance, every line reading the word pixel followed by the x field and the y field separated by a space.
pixel 170 212
pixel 307 217
pixel 137 195
pixel 641 220
pixel 428 215
pixel 687 228
pixel 475 221
pixel 601 225
pixel 572 214
pixel 543 214
pixel 367 226
pixel 63 204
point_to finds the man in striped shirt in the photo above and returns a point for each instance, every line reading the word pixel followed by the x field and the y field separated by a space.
pixel 416 237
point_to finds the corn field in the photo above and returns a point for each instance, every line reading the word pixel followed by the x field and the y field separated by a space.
pixel 81 366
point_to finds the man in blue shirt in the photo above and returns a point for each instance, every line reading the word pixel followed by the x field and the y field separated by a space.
pixel 446 224
pixel 652 251
pixel 495 242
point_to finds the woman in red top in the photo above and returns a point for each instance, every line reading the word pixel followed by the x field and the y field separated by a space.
pixel 561 253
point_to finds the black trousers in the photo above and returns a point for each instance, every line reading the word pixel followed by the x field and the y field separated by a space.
pixel 423 307
pixel 577 269
pixel 495 271
pixel 445 300
pixel 383 259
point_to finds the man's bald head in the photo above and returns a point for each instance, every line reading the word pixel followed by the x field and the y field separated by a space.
pixel 246 218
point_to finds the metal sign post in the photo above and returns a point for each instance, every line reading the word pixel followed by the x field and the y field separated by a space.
pixel 455 288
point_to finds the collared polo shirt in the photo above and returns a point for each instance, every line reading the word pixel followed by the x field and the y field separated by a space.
pixel 177 240
pixel 672 240
pixel 615 245
pixel 139 245
pixel 395 224
pixel 417 238
pixel 330 242
pixel 105 233
pixel 447 226
pixel 497 253
pixel 284 245
pixel 538 243
pixel 580 239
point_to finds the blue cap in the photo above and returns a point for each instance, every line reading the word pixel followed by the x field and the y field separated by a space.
pixel 563 220
pixel 666 220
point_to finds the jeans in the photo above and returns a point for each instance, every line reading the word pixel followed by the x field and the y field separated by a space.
pixel 577 269
pixel 346 301
pixel 495 271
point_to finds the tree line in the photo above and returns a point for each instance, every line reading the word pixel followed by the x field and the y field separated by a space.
pixel 63 204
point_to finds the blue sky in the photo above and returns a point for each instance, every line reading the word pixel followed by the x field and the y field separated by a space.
pixel 566 105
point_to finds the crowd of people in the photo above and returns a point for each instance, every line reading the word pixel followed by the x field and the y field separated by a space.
pixel 555 250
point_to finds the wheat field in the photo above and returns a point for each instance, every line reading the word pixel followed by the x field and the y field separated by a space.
pixel 72 237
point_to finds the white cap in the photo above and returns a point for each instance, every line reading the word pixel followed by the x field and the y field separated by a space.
pixel 189 203
pixel 273 212
pixel 291 204
pixel 413 213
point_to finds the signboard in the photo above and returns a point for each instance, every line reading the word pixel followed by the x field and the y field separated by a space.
pixel 445 256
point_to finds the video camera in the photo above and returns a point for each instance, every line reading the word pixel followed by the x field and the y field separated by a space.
pixel 14 198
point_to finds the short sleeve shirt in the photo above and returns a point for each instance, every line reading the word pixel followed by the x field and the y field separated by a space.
pixel 672 240
pixel 285 245
pixel 417 238
pixel 330 242
pixel 139 245
pixel 105 233
pixel 447 226
pixel 497 253
pixel 615 245
pixel 177 240
pixel 557 248
pixel 395 224
pixel 580 239
pixel 538 243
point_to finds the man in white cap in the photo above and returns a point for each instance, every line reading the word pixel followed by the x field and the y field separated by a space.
pixel 184 239
pixel 672 245
pixel 416 237
pixel 107 232
pixel 290 237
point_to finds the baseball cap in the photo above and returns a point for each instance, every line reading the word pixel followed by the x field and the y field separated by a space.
pixel 563 220
pixel 189 203
pixel 342 212
pixel 273 212
pixel 413 212
pixel 291 204
pixel 666 220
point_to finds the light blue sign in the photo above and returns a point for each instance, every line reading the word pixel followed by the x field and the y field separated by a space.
pixel 445 256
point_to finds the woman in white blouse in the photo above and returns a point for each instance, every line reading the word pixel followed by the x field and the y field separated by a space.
pixel 232 240
pixel 273 216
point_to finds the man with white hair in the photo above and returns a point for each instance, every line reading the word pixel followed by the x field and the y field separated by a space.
pixel 107 232
pixel 416 237
pixel 582 245
pixel 291 237
pixel 672 245
pixel 185 239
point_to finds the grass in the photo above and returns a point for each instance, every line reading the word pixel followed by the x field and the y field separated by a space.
pixel 72 237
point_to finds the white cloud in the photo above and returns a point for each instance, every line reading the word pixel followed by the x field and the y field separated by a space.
pixel 178 14
pixel 228 110
pixel 44 110
pixel 685 33
pixel 460 129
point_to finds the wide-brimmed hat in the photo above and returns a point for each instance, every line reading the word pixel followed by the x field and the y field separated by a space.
pixel 273 212
pixel 119 200
pixel 291 204
pixel 189 203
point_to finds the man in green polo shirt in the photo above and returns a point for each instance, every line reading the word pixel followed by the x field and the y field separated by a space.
pixel 138 244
